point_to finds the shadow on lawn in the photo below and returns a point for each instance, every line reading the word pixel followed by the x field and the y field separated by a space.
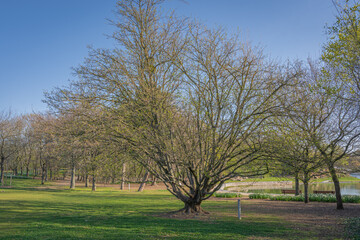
pixel 64 214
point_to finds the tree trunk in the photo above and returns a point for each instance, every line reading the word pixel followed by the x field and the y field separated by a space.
pixel 51 174
pixel 306 192
pixel 46 173
pixel 93 184
pixel 86 180
pixel 193 207
pixel 339 202
pixel 21 171
pixel 2 170
pixel 143 182
pixel 72 180
pixel 297 188
pixel 43 174
pixel 153 181
pixel 122 187
pixel 27 171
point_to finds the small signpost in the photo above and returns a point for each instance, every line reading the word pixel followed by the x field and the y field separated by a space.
pixel 239 209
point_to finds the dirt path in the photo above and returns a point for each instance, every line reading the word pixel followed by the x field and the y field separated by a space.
pixel 322 218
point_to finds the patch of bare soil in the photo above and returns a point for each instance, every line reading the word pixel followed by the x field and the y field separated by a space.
pixel 181 214
pixel 319 217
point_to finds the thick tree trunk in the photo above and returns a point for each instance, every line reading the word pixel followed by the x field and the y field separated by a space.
pixel 339 202
pixel 193 207
pixel 122 186
pixel 27 171
pixel 306 191
pixel 143 182
pixel 72 180
pixel 297 187
pixel 2 162
pixel 93 184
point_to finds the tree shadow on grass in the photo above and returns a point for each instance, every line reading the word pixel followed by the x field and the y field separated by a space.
pixel 64 215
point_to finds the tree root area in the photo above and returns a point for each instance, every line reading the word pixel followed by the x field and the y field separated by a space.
pixel 185 214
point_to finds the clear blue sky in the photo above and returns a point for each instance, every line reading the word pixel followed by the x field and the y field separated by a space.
pixel 40 40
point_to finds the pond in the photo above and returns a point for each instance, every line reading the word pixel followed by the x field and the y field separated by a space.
pixel 347 188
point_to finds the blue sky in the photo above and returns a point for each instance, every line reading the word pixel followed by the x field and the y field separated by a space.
pixel 40 40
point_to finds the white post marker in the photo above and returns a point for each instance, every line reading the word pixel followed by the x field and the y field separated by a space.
pixel 129 186
pixel 239 209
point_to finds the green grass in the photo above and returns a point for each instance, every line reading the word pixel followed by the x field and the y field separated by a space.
pixel 352 228
pixel 24 183
pixel 279 179
pixel 341 179
pixel 31 213
pixel 265 179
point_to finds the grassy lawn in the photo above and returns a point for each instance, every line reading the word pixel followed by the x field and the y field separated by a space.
pixel 34 213
pixel 341 179
pixel 279 179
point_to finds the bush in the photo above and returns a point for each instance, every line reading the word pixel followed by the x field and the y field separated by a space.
pixel 259 196
pixel 351 199
pixel 287 198
pixel 227 195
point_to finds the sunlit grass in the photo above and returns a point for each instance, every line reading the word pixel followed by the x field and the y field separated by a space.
pixel 30 213
pixel 280 179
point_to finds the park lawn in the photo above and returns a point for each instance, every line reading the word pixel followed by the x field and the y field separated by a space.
pixel 341 179
pixel 280 179
pixel 40 213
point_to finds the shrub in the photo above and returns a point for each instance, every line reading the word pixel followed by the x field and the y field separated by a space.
pixel 312 197
pixel 259 196
pixel 287 198
pixel 227 195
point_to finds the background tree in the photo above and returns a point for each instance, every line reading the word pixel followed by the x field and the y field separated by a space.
pixel 10 131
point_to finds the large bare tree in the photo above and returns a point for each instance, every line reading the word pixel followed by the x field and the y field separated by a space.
pixel 190 102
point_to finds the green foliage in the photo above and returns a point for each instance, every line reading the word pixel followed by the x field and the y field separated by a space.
pixel 312 197
pixel 352 228
pixel 259 196
pixel 227 195
pixel 298 198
